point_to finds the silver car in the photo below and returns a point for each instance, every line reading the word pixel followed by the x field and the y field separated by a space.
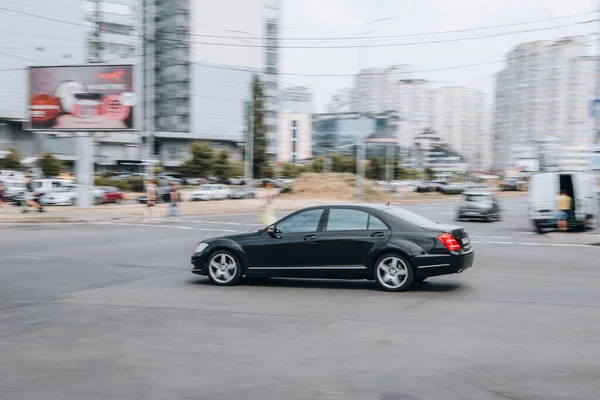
pixel 478 205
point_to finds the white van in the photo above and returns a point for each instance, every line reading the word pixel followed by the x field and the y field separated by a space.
pixel 543 190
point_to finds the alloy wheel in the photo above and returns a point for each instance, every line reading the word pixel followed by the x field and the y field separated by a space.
pixel 223 268
pixel 392 272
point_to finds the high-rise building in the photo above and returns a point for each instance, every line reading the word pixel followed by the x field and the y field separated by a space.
pixel 341 101
pixel 295 125
pixel 271 75
pixel 374 89
pixel 114 34
pixel 202 86
pixel 542 105
pixel 458 117
pixel 414 104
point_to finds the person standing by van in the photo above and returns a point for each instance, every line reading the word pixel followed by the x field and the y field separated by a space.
pixel 563 205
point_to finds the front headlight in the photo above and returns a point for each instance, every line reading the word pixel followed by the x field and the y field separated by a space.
pixel 201 247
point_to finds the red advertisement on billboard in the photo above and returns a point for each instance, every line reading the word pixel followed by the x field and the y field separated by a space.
pixel 82 98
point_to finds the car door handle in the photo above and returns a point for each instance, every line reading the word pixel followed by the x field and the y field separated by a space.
pixel 309 237
pixel 377 234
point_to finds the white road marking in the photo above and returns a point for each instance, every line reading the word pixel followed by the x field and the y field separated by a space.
pixel 501 242
pixel 492 237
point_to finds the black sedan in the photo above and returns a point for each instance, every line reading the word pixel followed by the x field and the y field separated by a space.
pixel 387 244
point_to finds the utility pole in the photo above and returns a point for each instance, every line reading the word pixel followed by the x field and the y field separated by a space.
pixel 148 64
pixel 597 94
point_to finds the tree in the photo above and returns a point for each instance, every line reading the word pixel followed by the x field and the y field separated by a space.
pixel 50 165
pixel 318 164
pixel 429 173
pixel 260 161
pixel 12 160
pixel 221 166
pixel 200 165
pixel 376 168
pixel 289 171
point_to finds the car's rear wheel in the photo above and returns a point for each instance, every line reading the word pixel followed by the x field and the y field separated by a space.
pixel 224 269
pixel 393 273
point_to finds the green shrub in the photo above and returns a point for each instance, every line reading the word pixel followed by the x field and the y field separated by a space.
pixel 123 185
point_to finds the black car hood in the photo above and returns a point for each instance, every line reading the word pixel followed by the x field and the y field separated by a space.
pixel 235 236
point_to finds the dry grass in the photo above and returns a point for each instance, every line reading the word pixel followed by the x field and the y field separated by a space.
pixel 337 186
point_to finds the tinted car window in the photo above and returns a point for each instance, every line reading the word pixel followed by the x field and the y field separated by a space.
pixel 307 221
pixel 341 219
pixel 411 218
pixel 375 224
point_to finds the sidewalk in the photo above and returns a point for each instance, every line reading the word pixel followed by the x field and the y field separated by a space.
pixel 112 212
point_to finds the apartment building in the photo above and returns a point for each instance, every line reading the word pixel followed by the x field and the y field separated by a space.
pixel 295 125
pixel 458 117
pixel 415 106
pixel 341 101
pixel 374 89
pixel 542 105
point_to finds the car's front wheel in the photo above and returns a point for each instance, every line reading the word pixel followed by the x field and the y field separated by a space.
pixel 393 273
pixel 224 269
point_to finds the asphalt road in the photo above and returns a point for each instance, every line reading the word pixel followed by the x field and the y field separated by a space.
pixel 111 311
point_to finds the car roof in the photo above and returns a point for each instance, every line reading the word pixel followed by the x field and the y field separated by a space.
pixel 371 206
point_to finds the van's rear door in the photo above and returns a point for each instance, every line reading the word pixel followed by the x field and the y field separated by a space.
pixel 543 190
pixel 584 186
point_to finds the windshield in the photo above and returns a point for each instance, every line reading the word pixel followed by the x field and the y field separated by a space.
pixel 478 197
pixel 410 217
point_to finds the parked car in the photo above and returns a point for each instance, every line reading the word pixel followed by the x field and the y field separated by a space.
pixel 478 205
pixel 389 245
pixel 455 188
pixel 513 184
pixel 163 195
pixel 42 186
pixel 243 193
pixel 236 181
pixel 211 192
pixel 60 196
pixel 12 188
pixel 195 181
pixel 112 194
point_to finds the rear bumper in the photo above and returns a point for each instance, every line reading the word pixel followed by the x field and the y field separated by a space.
pixel 427 266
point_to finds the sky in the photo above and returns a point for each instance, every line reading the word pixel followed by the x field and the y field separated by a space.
pixel 351 18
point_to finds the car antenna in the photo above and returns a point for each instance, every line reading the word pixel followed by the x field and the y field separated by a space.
pixel 388 204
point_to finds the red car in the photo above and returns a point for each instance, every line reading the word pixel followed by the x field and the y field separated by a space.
pixel 112 194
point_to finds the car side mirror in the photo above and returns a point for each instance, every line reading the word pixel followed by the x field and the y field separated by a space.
pixel 274 232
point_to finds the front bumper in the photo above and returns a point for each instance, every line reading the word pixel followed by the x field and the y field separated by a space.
pixel 199 261
pixel 436 265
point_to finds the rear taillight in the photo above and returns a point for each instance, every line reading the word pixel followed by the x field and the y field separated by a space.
pixel 449 242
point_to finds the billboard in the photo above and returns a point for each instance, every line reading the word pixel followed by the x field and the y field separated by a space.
pixel 81 98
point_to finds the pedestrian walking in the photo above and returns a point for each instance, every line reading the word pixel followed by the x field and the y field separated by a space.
pixel 174 199
pixel 563 205
pixel 150 200
pixel 29 198
pixel 267 215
